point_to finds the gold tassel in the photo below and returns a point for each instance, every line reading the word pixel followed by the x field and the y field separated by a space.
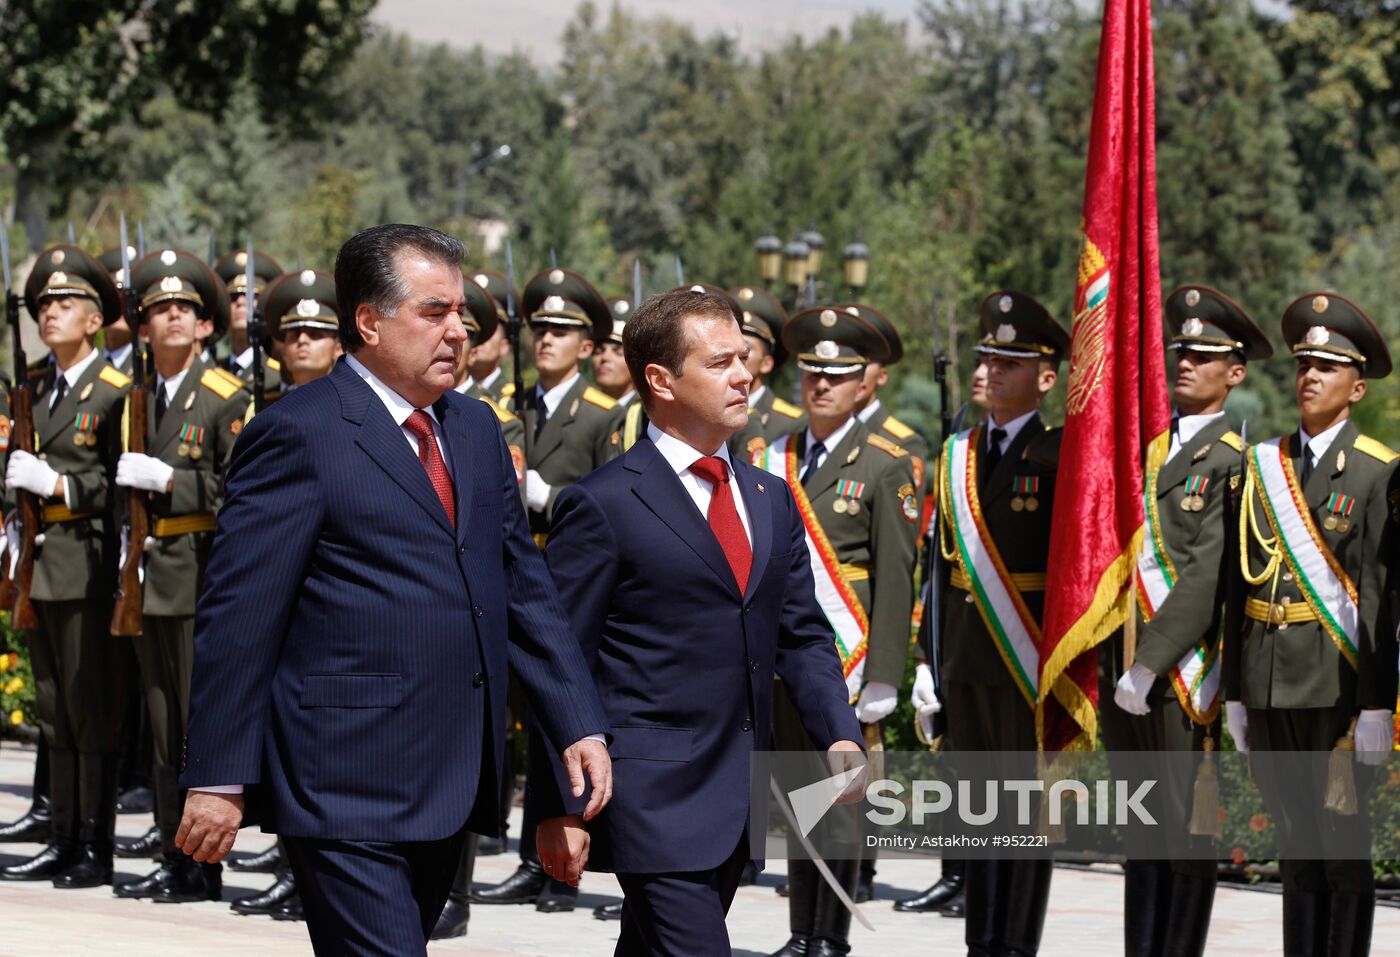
pixel 1205 802
pixel 1341 780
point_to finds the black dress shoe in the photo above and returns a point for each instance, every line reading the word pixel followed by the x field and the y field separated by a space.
pixel 865 891
pixel 609 911
pixel 143 886
pixel 264 903
pixel 932 899
pixel 452 922
pixel 46 865
pixel 137 800
pixel 291 910
pixel 955 908
pixel 490 846
pixel 264 863
pixel 749 877
pixel 144 846
pixel 553 903
pixel 782 889
pixel 824 947
pixel 796 946
pixel 33 828
pixel 92 868
pixel 190 881
pixel 522 887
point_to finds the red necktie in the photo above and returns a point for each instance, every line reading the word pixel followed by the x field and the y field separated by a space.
pixel 421 425
pixel 724 518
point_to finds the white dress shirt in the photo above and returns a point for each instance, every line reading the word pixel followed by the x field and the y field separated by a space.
pixel 1187 426
pixel 1317 445
pixel 830 442
pixel 756 394
pixel 870 411
pixel 172 385
pixel 486 382
pixel 117 356
pixel 627 398
pixel 554 396
pixel 400 408
pixel 1013 428
pixel 681 457
pixel 72 374
pixel 244 359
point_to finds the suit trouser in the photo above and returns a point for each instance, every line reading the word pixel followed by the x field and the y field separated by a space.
pixel 79 681
pixel 165 654
pixel 680 914
pixel 372 898
pixel 1005 900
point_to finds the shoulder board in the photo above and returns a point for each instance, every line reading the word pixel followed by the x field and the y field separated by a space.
pixel 508 390
pixel 114 377
pixel 897 428
pixel 228 376
pixel 272 364
pixel 504 415
pixel 601 399
pixel 218 382
pixel 786 408
pixel 885 445
pixel 1377 450
pixel 1232 440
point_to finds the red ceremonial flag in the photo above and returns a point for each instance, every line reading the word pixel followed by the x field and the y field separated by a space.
pixel 1116 408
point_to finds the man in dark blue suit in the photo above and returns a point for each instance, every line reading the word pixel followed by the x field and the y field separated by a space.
pixel 687 578
pixel 372 582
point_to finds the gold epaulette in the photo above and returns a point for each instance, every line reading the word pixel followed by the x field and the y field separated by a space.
pixel 507 390
pixel 223 384
pixel 897 428
pixel 503 415
pixel 1377 450
pixel 114 377
pixel 1232 440
pixel 273 364
pixel 786 408
pixel 885 445
pixel 601 399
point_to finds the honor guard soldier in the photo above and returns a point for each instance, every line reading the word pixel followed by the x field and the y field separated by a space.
pixel 855 491
pixel 876 416
pixel 997 484
pixel 770 418
pixel 483 320
pixel 116 335
pixel 233 270
pixel 486 356
pixel 1167 697
pixel 573 428
pixel 1312 668
pixel 300 311
pixel 195 412
pixel 79 669
pixel 609 367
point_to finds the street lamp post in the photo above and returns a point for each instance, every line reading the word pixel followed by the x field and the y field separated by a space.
pixel 468 169
pixel 855 264
pixel 769 250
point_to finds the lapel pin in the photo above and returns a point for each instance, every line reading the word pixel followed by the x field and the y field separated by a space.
pixel 189 402
pixel 87 391
pixel 1341 460
pixel 760 486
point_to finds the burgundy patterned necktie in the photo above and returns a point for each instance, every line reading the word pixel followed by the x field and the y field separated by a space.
pixel 724 518
pixel 421 425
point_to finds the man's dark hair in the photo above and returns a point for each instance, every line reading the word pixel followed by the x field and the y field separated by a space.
pixel 656 332
pixel 366 271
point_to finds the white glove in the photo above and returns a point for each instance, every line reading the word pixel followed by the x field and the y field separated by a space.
pixel 1375 735
pixel 877 701
pixel 11 541
pixel 923 698
pixel 135 470
pixel 536 491
pixel 1131 694
pixel 1237 720
pixel 31 473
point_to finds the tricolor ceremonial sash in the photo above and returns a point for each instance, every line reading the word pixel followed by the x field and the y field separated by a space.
pixel 1196 677
pixel 1329 592
pixel 838 600
pixel 1013 628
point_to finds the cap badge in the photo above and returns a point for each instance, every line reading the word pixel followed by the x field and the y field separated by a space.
pixel 57 277
pixel 621 307
pixel 120 277
pixel 168 257
pixel 308 276
pixel 1193 296
pixel 171 284
pixel 308 307
pixel 828 319
pixel 1320 304
pixel 57 257
pixel 1317 335
pixel 553 303
pixel 556 276
pixel 1192 327
pixel 241 259
pixel 696 287
pixel 826 349
pixel 1005 303
pixel 1006 332
pixel 745 294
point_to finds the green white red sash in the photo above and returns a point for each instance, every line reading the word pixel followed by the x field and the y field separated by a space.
pixel 1329 592
pixel 998 600
pixel 838 600
pixel 1196 677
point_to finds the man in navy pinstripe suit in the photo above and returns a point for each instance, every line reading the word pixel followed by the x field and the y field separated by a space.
pixel 688 580
pixel 372 582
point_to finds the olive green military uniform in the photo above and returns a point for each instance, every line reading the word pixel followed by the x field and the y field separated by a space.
pixel 1302 691
pixel 233 270
pixel 500 386
pixel 80 671
pixel 770 417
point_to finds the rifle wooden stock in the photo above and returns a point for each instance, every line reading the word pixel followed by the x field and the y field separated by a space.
pixel 126 613
pixel 27 509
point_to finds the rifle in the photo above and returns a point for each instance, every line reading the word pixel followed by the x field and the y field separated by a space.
pixel 680 271
pixel 941 362
pixel 256 330
pixel 16 596
pixel 637 283
pixel 127 612
pixel 515 327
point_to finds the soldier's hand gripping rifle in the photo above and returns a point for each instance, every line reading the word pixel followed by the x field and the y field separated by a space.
pixel 126 613
pixel 16 595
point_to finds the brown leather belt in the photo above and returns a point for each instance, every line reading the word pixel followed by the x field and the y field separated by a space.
pixel 55 514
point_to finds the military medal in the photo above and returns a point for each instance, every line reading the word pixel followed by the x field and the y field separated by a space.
pixel 191 438
pixel 84 424
pixel 1339 508
pixel 1195 500
pixel 183 450
pixel 1026 488
pixel 840 506
pixel 848 493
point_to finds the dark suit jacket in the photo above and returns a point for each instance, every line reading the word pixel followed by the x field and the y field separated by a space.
pixel 351 647
pixel 684 664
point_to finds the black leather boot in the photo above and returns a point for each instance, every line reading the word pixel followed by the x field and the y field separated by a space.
pixel 981 883
pixel 265 902
pixel 145 846
pixel 1349 924
pixel 144 886
pixel 831 921
pixel 1147 892
pixel 452 922
pixel 609 911
pixel 522 887
pixel 265 863
pixel 61 851
pixel 190 881
pixel 936 897
pixel 1305 916
pixel 291 910
pixel 1029 897
pixel 33 827
pixel 97 798
pixel 56 857
pixel 865 884
pixel 556 898
pixel 136 800
pixel 1188 922
pixel 802 907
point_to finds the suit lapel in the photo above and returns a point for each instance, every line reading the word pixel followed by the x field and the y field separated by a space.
pixel 660 490
pixel 462 466
pixel 43 418
pixel 747 480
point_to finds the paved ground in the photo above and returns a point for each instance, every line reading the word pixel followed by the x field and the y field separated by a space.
pixel 1086 918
